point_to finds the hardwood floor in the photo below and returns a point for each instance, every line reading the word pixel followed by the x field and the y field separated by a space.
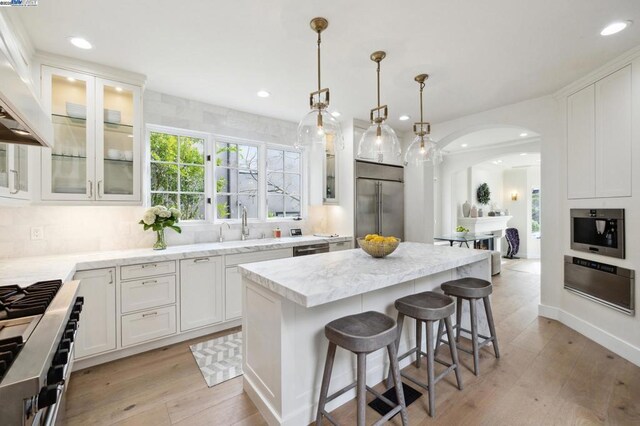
pixel 547 374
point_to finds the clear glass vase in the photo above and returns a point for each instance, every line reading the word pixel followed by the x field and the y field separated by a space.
pixel 161 243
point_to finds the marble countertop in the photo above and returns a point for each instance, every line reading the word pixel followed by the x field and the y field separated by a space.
pixel 27 270
pixel 322 278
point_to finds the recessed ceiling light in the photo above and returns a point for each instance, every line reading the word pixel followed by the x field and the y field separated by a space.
pixel 80 43
pixel 129 136
pixel 71 79
pixel 263 94
pixel 614 27
pixel 524 134
pixel 524 153
pixel 498 161
pixel 464 145
pixel 404 117
pixel 118 89
pixel 336 114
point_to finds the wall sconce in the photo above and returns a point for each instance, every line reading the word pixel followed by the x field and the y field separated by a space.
pixel 514 196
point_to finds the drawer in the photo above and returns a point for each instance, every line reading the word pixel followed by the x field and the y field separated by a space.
pixel 144 270
pixel 147 293
pixel 257 256
pixel 343 245
pixel 148 325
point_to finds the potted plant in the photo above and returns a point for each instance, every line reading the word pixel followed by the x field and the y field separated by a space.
pixel 158 218
pixel 483 194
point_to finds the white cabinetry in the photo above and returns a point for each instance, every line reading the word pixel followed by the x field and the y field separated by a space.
pixel 97 330
pixel 14 171
pixel 599 138
pixel 342 245
pixel 233 278
pixel 143 326
pixel 97 138
pixel 200 292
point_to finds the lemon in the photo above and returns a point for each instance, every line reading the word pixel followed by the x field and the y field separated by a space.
pixel 378 239
pixel 390 240
pixel 370 237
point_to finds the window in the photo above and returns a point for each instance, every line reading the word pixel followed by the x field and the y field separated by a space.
pixel 178 173
pixel 284 182
pixel 212 178
pixel 236 180
pixel 535 212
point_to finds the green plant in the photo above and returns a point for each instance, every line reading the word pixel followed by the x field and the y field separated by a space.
pixel 461 229
pixel 483 194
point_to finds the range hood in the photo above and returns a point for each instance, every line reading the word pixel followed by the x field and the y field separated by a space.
pixel 23 120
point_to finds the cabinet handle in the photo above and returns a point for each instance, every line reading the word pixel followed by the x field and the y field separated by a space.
pixel 16 182
pixel 150 282
pixel 110 276
pixel 202 259
pixel 98 190
pixel 149 265
pixel 90 189
pixel 150 314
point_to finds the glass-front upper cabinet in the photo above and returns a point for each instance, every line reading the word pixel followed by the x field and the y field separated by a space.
pixel 118 144
pixel 97 128
pixel 4 169
pixel 330 195
pixel 14 171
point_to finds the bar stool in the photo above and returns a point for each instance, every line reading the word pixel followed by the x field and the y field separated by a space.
pixel 471 289
pixel 427 308
pixel 361 334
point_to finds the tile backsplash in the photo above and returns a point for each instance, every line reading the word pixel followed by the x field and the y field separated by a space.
pixel 76 229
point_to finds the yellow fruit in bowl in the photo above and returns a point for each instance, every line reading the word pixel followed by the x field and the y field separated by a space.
pixel 390 240
pixel 370 237
pixel 378 239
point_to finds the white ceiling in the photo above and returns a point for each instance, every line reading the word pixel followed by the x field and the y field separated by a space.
pixel 480 54
pixel 523 159
pixel 488 137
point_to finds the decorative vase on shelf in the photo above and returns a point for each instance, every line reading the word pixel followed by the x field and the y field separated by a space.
pixel 474 211
pixel 466 209
pixel 480 213
pixel 161 243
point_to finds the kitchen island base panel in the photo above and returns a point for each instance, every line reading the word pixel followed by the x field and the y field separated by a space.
pixel 284 348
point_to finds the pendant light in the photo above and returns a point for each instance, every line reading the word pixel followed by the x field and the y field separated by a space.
pixel 318 127
pixel 423 149
pixel 379 142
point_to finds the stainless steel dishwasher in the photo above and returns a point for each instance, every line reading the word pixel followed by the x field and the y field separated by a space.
pixel 311 249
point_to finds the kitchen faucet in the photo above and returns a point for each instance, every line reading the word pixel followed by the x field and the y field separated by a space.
pixel 221 239
pixel 245 226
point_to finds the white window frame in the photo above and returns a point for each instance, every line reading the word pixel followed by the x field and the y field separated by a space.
pixel 210 173
pixel 208 170
pixel 303 184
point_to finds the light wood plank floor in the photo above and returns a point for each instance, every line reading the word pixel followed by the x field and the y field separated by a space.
pixel 548 374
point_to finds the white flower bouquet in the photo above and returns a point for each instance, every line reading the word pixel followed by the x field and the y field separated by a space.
pixel 158 218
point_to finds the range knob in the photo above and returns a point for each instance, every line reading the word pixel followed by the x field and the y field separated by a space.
pixel 61 357
pixel 65 344
pixel 48 396
pixel 55 374
pixel 75 316
pixel 72 325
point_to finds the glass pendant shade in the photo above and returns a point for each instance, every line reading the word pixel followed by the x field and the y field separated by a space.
pixel 422 150
pixel 379 143
pixel 316 127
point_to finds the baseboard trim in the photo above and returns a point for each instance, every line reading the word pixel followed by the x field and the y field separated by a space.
pixel 598 335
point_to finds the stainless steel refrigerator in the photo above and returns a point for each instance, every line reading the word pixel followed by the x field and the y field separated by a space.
pixel 379 199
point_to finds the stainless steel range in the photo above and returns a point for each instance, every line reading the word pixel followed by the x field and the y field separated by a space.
pixel 38 327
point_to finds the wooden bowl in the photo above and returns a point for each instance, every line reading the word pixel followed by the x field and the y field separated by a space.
pixel 378 250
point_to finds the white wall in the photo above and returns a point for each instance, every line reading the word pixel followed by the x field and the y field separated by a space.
pixel 516 180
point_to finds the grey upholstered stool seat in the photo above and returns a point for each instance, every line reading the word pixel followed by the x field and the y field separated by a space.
pixel 427 308
pixel 471 289
pixel 361 334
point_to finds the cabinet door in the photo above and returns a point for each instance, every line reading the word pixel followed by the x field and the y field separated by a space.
pixel 4 169
pixel 581 162
pixel 200 292
pixel 19 172
pixel 97 329
pixel 232 293
pixel 68 169
pixel 613 134
pixel 118 134
pixel 343 245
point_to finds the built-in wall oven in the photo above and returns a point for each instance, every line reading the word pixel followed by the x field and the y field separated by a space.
pixel 599 231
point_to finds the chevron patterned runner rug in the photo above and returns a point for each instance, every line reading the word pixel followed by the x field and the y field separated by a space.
pixel 219 359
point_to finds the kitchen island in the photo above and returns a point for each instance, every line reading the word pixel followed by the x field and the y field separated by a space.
pixel 287 303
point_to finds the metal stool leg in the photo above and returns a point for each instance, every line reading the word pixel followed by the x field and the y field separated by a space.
pixel 397 381
pixel 324 390
pixel 458 318
pixel 492 327
pixel 453 349
pixel 474 337
pixel 418 342
pixel 430 369
pixel 362 388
